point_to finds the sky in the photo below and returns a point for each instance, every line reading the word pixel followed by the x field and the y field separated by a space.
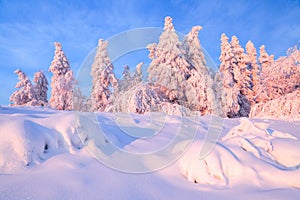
pixel 29 28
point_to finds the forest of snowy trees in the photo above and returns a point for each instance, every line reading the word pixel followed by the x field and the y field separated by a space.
pixel 248 83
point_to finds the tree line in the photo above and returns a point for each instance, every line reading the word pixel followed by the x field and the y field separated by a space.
pixel 179 80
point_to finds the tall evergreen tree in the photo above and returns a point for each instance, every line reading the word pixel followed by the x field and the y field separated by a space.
pixel 242 75
pixel 104 79
pixel 40 89
pixel 138 75
pixel 25 92
pixel 199 91
pixel 228 93
pixel 62 82
pixel 255 71
pixel 235 79
pixel 126 81
pixel 265 61
pixel 169 67
pixel 243 71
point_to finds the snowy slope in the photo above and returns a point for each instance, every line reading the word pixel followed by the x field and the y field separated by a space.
pixel 42 156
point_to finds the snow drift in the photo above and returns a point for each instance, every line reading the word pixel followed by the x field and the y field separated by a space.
pixel 251 156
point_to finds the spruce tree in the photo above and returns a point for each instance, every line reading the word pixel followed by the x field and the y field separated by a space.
pixel 199 91
pixel 40 89
pixel 228 93
pixel 126 80
pixel 255 71
pixel 242 75
pixel 25 92
pixel 62 82
pixel 138 75
pixel 104 80
pixel 265 61
pixel 169 68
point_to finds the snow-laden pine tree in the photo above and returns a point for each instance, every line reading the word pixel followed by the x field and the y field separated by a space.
pixel 138 75
pixel 228 91
pixel 199 90
pixel 126 80
pixel 235 92
pixel 255 71
pixel 265 61
pixel 69 90
pixel 104 79
pixel 282 76
pixel 242 76
pixel 40 89
pixel 169 68
pixel 244 71
pixel 193 51
pixel 62 82
pixel 25 91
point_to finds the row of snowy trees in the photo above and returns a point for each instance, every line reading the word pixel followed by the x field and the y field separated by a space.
pixel 248 80
pixel 179 80
pixel 29 94
pixel 62 84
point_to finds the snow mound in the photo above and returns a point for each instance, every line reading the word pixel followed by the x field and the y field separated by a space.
pixel 29 137
pixel 249 152
pixel 285 107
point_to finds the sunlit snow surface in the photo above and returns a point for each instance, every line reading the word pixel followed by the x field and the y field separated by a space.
pixel 42 157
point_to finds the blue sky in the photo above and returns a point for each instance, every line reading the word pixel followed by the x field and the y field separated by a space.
pixel 29 28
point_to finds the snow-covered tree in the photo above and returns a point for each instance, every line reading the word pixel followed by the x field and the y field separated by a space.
pixel 244 80
pixel 255 71
pixel 265 61
pixel 40 89
pixel 25 91
pixel 235 79
pixel 80 102
pixel 193 51
pixel 138 75
pixel 282 76
pixel 228 93
pixel 62 82
pixel 69 89
pixel 199 91
pixel 169 67
pixel 126 80
pixel 285 107
pixel 139 99
pixel 104 79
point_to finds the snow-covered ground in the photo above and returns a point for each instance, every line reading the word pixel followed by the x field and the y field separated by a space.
pixel 47 154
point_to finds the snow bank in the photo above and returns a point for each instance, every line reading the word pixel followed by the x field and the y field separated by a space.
pixel 252 159
pixel 30 136
pixel 249 152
